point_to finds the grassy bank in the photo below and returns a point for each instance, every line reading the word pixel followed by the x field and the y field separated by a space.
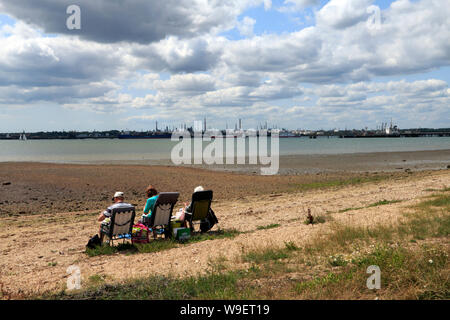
pixel 412 256
pixel 159 244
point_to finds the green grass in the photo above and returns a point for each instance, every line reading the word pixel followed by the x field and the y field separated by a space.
pixel 290 246
pixel 96 280
pixel 438 201
pixel 317 219
pixel 105 249
pixel 336 183
pixel 270 226
pixel 444 189
pixel 265 255
pixel 382 203
pixel 337 261
pixel 350 209
pixel 270 261
pixel 320 283
pixel 159 244
pixel 419 273
pixel 214 235
pixel 429 218
pixel 210 286
pixel 405 273
pixel 375 204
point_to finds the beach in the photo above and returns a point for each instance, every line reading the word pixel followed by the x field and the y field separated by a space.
pixel 48 211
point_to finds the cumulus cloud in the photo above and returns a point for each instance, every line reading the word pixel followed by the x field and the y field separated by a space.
pixel 139 21
pixel 343 13
pixel 396 96
pixel 245 26
pixel 186 68
pixel 267 4
pixel 35 69
pixel 176 56
pixel 342 48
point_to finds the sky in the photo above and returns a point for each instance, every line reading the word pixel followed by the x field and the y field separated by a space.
pixel 295 64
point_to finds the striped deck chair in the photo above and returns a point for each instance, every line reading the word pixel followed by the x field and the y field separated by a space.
pixel 122 220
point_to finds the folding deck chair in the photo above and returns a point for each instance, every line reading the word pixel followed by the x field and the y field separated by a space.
pixel 122 220
pixel 200 206
pixel 162 213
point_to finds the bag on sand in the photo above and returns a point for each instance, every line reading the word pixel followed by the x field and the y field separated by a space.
pixel 93 242
pixel 207 223
pixel 139 234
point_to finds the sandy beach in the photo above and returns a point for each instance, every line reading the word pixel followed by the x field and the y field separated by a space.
pixel 48 211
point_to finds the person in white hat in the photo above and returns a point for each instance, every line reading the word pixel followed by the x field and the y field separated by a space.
pixel 188 208
pixel 105 216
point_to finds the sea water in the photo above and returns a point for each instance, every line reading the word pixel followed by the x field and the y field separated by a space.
pixel 159 150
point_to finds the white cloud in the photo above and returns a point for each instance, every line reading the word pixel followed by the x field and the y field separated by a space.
pixel 144 81
pixel 186 84
pixel 293 6
pixel 267 4
pixel 245 26
pixel 175 55
pixel 343 13
pixel 140 21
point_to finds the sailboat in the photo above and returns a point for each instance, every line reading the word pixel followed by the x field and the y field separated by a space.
pixel 23 136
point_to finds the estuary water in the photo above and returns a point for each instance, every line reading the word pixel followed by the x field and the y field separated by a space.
pixel 157 150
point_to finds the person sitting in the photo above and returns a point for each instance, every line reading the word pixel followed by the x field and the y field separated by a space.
pixel 205 224
pixel 105 217
pixel 188 208
pixel 152 196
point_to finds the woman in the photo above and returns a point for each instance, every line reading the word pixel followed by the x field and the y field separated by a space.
pixel 152 195
pixel 188 208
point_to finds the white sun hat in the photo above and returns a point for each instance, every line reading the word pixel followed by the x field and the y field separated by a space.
pixel 118 194
pixel 199 188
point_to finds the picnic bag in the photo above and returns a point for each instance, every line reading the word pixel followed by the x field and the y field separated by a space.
pixel 139 234
pixel 93 242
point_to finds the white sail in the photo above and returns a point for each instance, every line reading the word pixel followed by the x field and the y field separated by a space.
pixel 22 136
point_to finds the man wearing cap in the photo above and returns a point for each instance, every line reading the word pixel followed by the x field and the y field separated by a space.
pixel 118 203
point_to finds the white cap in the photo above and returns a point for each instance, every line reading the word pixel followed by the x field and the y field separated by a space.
pixel 118 194
pixel 199 188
